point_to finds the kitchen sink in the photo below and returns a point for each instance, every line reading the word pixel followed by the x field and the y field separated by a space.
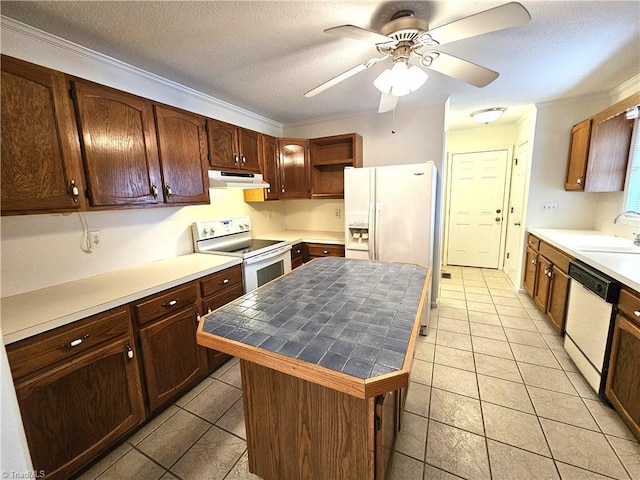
pixel 609 248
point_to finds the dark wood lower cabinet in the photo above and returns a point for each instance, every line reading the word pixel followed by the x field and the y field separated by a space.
pixel 623 379
pixel 387 426
pixel 172 359
pixel 75 411
pixel 81 388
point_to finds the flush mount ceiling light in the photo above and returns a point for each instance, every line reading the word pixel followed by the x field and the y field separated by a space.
pixel 488 115
pixel 401 79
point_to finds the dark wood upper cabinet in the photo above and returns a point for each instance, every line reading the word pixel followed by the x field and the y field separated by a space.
pixel 41 164
pixel 232 148
pixel 270 170
pixel 119 145
pixel 328 158
pixel 182 145
pixel 599 149
pixel 578 155
pixel 294 167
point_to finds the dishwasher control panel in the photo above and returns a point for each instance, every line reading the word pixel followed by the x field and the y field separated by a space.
pixel 602 285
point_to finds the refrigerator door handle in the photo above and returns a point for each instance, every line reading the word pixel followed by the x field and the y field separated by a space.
pixel 372 236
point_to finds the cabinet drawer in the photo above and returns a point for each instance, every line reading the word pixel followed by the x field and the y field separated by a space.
pixel 64 343
pixel 222 281
pixel 209 304
pixel 555 256
pixel 323 250
pixel 169 301
pixel 629 304
pixel 533 242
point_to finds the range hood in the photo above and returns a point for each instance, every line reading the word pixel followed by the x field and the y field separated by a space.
pixel 220 179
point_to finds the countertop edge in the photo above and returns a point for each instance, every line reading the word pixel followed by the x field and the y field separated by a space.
pixel 308 236
pixel 597 260
pixel 21 305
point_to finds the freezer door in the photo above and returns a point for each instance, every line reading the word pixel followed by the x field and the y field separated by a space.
pixel 405 199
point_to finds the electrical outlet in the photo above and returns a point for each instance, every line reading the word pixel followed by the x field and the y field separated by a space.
pixel 549 207
pixel 95 241
pixel 337 213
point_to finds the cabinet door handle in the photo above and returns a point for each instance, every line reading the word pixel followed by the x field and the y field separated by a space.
pixel 223 282
pixel 637 313
pixel 235 159
pixel 154 190
pixel 282 189
pixel 169 192
pixel 129 352
pixel 75 193
pixel 209 309
pixel 197 317
pixel 579 181
pixel 533 262
pixel 549 274
pixel 268 190
pixel 244 160
pixel 170 303
pixel 298 251
pixel 78 341
pixel 546 271
pixel 325 252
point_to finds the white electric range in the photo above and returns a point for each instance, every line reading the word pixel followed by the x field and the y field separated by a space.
pixel 263 260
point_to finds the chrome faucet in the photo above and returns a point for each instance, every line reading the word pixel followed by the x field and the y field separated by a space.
pixel 636 241
pixel 628 212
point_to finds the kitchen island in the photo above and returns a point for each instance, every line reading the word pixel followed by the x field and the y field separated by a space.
pixel 325 355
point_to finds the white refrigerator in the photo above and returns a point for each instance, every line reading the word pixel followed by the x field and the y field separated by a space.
pixel 390 215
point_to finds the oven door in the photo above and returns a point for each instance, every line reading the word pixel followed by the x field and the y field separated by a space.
pixel 263 268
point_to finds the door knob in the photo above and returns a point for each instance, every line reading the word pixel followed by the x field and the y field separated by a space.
pixel 498 211
pixel 498 219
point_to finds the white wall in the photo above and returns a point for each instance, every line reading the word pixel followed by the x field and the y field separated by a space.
pixel 418 133
pixel 319 215
pixel 549 165
pixel 43 250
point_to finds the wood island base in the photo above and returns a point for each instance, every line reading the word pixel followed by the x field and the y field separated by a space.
pixel 297 429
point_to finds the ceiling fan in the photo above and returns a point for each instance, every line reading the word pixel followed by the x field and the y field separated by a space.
pixel 407 38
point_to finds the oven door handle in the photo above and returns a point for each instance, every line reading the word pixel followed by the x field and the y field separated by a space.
pixel 267 255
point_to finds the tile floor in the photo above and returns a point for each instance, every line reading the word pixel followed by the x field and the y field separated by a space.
pixel 493 395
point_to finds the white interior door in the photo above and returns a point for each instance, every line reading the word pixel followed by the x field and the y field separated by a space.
pixel 476 208
pixel 515 237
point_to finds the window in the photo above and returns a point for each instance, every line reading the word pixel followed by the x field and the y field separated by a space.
pixel 632 187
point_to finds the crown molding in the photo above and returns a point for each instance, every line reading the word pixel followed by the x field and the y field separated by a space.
pixel 34 36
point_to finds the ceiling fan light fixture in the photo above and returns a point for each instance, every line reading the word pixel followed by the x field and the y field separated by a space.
pixel 401 79
pixel 488 115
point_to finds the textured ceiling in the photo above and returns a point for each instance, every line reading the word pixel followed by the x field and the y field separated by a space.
pixel 263 56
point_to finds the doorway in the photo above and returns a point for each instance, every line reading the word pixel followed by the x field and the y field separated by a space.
pixel 515 214
pixel 476 230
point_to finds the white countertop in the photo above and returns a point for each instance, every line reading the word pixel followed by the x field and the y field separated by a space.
pixel 30 313
pixel 624 267
pixel 311 236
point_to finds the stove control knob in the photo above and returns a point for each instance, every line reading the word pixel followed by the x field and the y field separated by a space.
pixel 211 232
pixel 246 226
pixel 204 232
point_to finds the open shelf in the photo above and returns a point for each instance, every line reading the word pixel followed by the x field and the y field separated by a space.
pixel 329 156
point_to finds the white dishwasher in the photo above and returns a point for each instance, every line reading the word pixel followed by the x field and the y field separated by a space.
pixel 590 322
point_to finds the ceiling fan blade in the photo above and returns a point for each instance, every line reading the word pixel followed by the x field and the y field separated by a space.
pixel 387 102
pixel 505 16
pixel 358 33
pixel 343 76
pixel 461 69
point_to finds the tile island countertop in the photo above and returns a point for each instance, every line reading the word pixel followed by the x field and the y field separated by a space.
pixel 335 321
pixel 624 267
pixel 38 311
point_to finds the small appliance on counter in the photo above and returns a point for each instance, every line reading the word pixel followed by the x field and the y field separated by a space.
pixel 263 260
